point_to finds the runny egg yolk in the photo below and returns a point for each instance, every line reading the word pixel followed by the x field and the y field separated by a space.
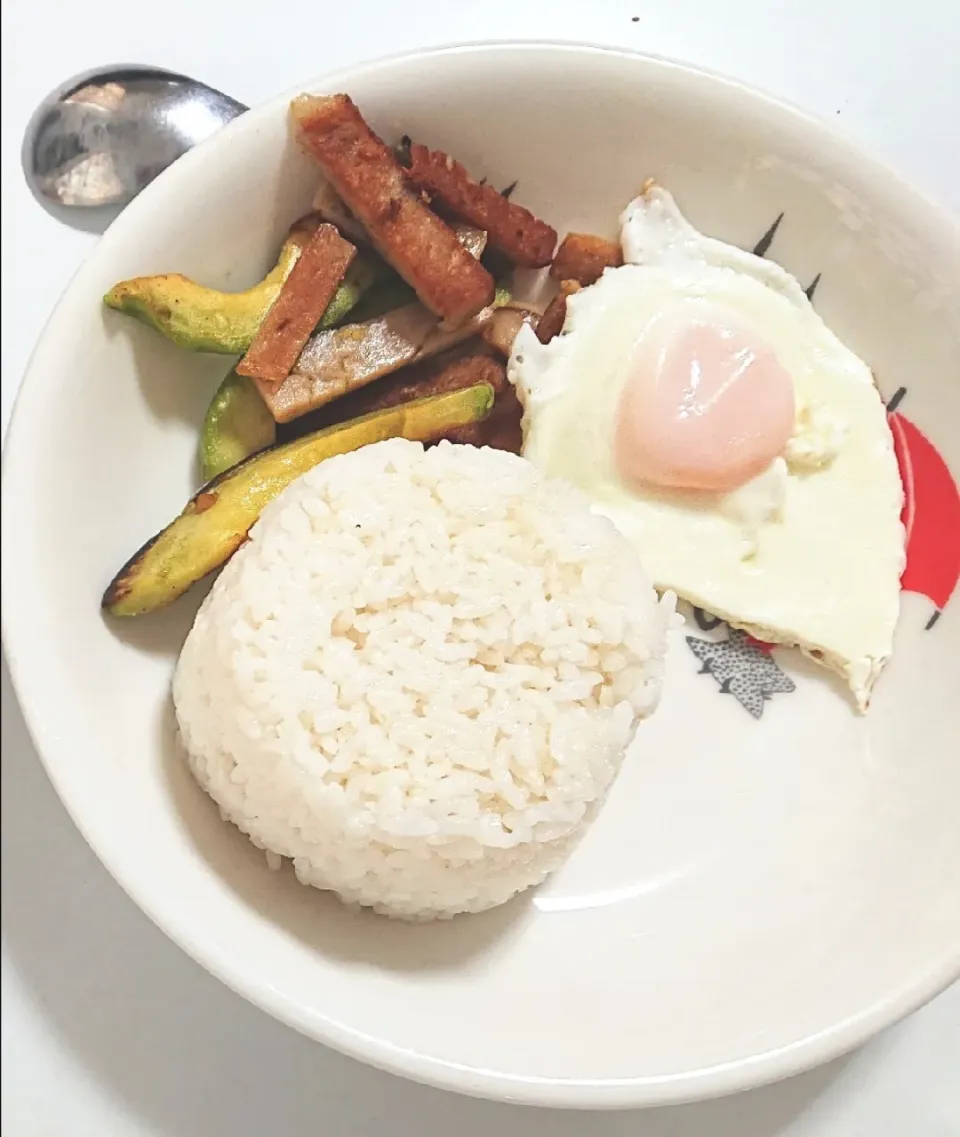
pixel 707 405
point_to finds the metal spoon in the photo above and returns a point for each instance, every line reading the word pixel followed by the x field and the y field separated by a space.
pixel 101 138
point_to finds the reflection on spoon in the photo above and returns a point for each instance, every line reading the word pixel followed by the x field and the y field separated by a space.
pixel 101 138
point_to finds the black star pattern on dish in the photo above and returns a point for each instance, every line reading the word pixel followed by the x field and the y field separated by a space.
pixel 743 668
pixel 762 247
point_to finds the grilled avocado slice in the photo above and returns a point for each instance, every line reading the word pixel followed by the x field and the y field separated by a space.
pixel 205 319
pixel 216 520
pixel 237 424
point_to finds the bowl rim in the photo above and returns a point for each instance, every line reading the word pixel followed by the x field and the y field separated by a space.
pixel 24 662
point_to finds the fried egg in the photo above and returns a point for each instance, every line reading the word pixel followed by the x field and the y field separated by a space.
pixel 699 400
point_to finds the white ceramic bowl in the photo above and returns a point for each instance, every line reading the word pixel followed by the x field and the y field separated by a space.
pixel 758 896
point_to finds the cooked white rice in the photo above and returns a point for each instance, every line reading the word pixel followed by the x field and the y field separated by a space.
pixel 418 678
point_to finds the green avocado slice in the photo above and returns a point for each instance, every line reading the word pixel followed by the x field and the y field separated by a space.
pixel 206 319
pixel 216 520
pixel 237 424
pixel 224 323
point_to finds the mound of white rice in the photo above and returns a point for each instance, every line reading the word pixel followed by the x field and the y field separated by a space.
pixel 418 678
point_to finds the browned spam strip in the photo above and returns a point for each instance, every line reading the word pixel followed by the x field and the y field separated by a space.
pixel 327 203
pixel 551 322
pixel 513 230
pixel 328 207
pixel 344 359
pixel 340 360
pixel 364 173
pixel 297 310
pixel 447 371
pixel 461 366
pixel 583 257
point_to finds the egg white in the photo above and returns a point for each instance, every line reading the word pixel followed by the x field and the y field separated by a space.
pixel 807 554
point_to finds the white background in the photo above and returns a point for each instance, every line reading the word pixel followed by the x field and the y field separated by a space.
pixel 108 1030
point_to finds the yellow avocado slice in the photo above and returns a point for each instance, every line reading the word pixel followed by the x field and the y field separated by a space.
pixel 206 319
pixel 236 425
pixel 217 519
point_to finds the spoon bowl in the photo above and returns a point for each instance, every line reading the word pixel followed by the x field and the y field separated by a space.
pixel 99 139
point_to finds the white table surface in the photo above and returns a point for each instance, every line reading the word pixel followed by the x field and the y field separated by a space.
pixel 108 1029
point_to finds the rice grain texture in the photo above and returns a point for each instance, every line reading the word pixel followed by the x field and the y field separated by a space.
pixel 418 678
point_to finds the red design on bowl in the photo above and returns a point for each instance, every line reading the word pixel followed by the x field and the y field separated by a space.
pixel 931 513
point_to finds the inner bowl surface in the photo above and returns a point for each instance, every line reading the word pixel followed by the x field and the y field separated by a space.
pixel 757 896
